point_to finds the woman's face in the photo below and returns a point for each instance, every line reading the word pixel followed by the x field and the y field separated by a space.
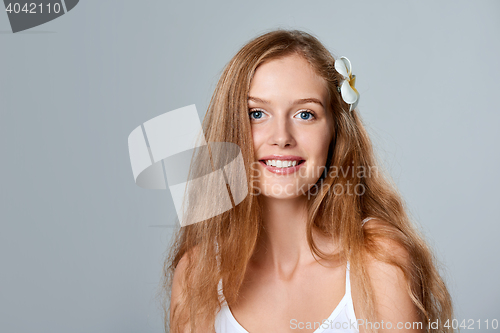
pixel 291 124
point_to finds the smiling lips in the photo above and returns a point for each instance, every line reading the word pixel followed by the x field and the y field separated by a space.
pixel 282 164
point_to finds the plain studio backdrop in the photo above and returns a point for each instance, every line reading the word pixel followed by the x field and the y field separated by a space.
pixel 82 246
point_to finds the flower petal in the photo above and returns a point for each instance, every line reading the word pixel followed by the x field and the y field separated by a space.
pixel 341 66
pixel 353 106
pixel 349 95
pixel 347 64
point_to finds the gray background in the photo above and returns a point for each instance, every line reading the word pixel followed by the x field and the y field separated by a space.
pixel 80 246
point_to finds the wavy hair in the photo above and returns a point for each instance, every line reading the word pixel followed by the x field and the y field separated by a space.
pixel 336 215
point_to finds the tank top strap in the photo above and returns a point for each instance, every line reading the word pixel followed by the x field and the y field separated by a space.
pixel 220 292
pixel 347 280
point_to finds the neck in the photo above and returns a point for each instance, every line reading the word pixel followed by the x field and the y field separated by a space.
pixel 283 246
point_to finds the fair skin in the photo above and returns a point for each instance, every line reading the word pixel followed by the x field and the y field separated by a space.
pixel 284 281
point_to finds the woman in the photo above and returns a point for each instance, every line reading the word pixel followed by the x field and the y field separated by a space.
pixel 323 240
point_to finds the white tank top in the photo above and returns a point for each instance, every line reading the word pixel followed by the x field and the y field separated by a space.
pixel 342 319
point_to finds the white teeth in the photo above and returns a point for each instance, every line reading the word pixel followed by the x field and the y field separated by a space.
pixel 281 163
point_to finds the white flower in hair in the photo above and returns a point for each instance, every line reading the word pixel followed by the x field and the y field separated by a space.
pixel 349 94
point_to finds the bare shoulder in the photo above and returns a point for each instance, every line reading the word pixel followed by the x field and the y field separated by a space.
pixel 393 303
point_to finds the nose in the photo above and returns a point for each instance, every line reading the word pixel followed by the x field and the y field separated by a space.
pixel 280 133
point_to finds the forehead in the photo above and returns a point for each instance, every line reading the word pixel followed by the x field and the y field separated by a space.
pixel 289 77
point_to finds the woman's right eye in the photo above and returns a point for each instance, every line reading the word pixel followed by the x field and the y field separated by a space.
pixel 256 114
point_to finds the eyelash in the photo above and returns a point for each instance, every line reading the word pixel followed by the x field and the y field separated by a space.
pixel 302 111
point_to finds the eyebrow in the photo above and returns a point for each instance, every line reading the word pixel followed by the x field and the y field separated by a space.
pixel 298 101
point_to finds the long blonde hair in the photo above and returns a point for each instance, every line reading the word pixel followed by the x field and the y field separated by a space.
pixel 336 215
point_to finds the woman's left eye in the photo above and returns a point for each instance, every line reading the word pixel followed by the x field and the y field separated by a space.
pixel 306 115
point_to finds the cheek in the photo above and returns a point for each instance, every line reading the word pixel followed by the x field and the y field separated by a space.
pixel 255 135
pixel 257 138
pixel 318 144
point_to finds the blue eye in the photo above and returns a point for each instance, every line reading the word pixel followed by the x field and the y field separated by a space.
pixel 306 115
pixel 258 114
